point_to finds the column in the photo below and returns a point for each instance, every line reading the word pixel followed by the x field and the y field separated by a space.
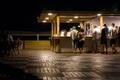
pixel 57 40
pixel 101 22
pixel 52 34
pixel 82 25
pixel 52 28
pixel 58 25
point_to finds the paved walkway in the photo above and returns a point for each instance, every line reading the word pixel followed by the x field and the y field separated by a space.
pixel 46 65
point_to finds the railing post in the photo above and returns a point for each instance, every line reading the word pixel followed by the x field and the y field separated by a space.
pixel 37 36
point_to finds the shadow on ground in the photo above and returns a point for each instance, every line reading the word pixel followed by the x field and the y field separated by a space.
pixel 8 72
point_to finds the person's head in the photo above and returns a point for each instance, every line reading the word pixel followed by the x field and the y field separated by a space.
pixel 73 27
pixel 95 26
pixel 105 25
pixel 116 27
pixel 113 24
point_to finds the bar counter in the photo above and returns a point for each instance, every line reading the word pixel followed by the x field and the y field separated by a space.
pixel 64 44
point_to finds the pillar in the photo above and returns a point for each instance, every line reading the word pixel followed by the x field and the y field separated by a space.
pixel 82 25
pixel 101 22
pixel 52 28
pixel 58 25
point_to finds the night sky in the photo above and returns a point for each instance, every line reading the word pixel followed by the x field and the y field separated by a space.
pixel 22 14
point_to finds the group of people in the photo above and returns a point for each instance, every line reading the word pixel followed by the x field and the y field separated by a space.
pixel 112 34
pixel 78 39
pixel 8 45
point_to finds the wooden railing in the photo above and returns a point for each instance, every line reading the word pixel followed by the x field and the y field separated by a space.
pixel 34 41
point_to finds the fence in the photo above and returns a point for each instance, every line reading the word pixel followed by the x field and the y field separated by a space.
pixel 34 41
pixel 32 36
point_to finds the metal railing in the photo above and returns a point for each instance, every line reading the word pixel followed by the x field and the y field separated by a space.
pixel 32 36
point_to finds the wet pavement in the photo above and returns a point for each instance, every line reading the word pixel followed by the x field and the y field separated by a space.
pixel 47 65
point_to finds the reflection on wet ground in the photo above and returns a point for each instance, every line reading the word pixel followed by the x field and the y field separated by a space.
pixel 46 65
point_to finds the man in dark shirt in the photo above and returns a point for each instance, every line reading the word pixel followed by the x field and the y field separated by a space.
pixel 104 36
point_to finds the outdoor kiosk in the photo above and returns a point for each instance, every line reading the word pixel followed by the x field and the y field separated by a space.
pixel 57 41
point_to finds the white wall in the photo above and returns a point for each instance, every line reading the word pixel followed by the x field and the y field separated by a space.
pixel 106 19
pixel 112 19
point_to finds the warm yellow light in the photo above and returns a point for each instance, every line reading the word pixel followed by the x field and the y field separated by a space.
pixel 50 14
pixel 76 17
pixel 47 18
pixel 99 14
pixel 78 25
pixel 44 21
pixel 70 20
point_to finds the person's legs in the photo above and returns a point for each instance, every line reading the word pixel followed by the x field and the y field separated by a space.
pixel 76 45
pixel 82 44
pixel 102 45
pixel 95 45
pixel 114 49
pixel 106 48
pixel 102 48
pixel 73 45
pixel 80 47
pixel 113 46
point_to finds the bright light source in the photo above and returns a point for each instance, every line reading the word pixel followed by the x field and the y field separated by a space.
pixel 44 21
pixel 47 18
pixel 50 14
pixel 99 14
pixel 76 17
pixel 78 25
pixel 70 20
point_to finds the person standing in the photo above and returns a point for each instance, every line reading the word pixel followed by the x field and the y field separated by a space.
pixel 73 35
pixel 104 36
pixel 113 35
pixel 81 40
pixel 95 39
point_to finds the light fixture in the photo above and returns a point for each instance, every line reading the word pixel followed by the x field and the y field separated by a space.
pixel 49 14
pixel 79 26
pixel 75 17
pixel 70 20
pixel 99 14
pixel 47 18
pixel 44 21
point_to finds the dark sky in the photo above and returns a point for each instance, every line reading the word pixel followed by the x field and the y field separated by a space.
pixel 22 13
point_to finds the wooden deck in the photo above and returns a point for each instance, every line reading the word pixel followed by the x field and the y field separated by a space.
pixel 47 65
